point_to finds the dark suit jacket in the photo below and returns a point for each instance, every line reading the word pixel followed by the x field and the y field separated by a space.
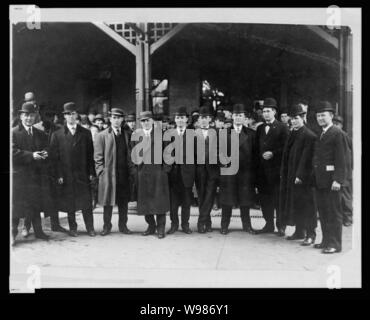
pixel 330 158
pixel 269 170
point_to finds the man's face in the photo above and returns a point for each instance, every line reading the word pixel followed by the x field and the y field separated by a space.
pixel 131 124
pixel 228 114
pixel 227 125
pixel 219 124
pixel 268 114
pixel 325 118
pixel 147 124
pixel 91 117
pixel 28 119
pixel 99 123
pixel 284 118
pixel 71 117
pixel 204 121
pixel 239 118
pixel 297 122
pixel 116 121
pixel 181 121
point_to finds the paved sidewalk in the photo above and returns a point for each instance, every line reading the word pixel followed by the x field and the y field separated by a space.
pixel 238 259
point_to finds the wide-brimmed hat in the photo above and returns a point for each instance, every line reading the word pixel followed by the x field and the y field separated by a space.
pixel 130 117
pixel 270 103
pixel 205 111
pixel 145 115
pixel 295 110
pixel 181 111
pixel 28 107
pixel 69 107
pixel 323 106
pixel 117 112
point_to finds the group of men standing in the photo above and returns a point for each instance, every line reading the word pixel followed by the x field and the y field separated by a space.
pixel 294 173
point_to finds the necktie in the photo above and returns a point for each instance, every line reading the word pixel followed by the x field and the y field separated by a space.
pixel 322 134
pixel 73 131
pixel 267 128
pixel 29 131
pixel 118 133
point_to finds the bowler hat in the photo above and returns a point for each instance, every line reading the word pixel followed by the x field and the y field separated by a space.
pixel 239 108
pixel 323 106
pixel 131 117
pixel 206 111
pixel 270 103
pixel 28 107
pixel 296 109
pixel 181 111
pixel 145 115
pixel 99 117
pixel 117 112
pixel 69 107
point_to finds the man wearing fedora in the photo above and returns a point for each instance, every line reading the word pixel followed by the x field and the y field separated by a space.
pixel 330 164
pixel 207 173
pixel 181 177
pixel 239 189
pixel 153 196
pixel 297 202
pixel 271 137
pixel 73 156
pixel 112 155
pixel 29 154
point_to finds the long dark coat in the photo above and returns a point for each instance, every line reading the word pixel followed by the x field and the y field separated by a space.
pixel 27 172
pixel 153 196
pixel 274 140
pixel 105 164
pixel 73 158
pixel 297 200
pixel 239 189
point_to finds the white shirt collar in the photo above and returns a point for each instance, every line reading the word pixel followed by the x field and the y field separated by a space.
pixel 238 128
pixel 27 128
pixel 179 131
pixel 270 122
pixel 71 126
pixel 327 128
pixel 116 130
pixel 148 132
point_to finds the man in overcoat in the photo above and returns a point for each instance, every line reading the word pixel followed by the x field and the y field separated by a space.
pixel 29 151
pixel 271 137
pixel 73 156
pixel 153 196
pixel 181 178
pixel 297 203
pixel 239 189
pixel 208 172
pixel 331 154
pixel 112 155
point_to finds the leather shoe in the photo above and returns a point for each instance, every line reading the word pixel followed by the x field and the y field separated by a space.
pixel 42 235
pixel 59 228
pixel 265 230
pixel 295 236
pixel 187 230
pixel 25 233
pixel 73 233
pixel 173 229
pixel 209 229
pixel 224 231
pixel 308 241
pixel 249 230
pixel 105 232
pixel 161 235
pixel 91 233
pixel 319 246
pixel 281 233
pixel 330 250
pixel 202 229
pixel 125 230
pixel 149 231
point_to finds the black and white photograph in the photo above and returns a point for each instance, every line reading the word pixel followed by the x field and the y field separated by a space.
pixel 185 148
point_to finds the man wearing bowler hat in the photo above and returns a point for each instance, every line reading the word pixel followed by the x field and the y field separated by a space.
pixel 271 137
pixel 181 178
pixel 239 189
pixel 331 154
pixel 73 154
pixel 207 170
pixel 112 155
pixel 297 203
pixel 153 198
pixel 29 154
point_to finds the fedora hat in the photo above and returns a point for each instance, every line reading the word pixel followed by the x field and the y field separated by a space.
pixel 116 112
pixel 145 115
pixel 130 117
pixel 69 107
pixel 323 106
pixel 270 103
pixel 295 110
pixel 28 107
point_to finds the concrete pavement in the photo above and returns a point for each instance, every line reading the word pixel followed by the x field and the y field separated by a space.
pixel 211 260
